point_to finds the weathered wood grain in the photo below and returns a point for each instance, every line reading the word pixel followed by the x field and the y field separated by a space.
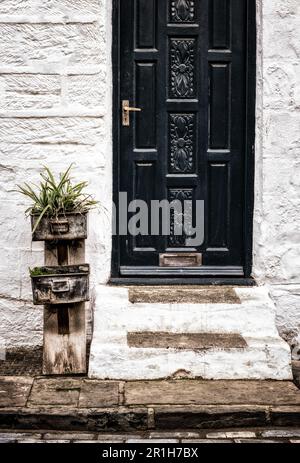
pixel 65 333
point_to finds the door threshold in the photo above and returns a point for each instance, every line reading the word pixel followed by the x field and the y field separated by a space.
pixel 142 281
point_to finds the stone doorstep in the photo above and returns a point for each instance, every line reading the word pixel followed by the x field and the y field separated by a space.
pixel 80 404
pixel 127 347
pixel 197 392
pixel 183 294
pixel 71 392
pixel 128 419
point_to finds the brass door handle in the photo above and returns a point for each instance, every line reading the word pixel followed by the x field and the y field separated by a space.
pixel 126 110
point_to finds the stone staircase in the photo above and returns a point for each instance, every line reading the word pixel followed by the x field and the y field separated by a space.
pixel 167 336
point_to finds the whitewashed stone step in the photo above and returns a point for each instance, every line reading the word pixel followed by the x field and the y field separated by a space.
pixel 258 361
pixel 266 356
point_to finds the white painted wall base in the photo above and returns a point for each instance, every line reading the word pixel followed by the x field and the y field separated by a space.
pixel 266 357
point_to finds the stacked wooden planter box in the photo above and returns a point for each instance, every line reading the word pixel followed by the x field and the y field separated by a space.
pixel 62 286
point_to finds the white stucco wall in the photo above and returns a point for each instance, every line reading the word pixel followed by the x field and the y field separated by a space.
pixel 277 189
pixel 55 108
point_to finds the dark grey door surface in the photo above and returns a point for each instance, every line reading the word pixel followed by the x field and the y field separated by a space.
pixel 185 64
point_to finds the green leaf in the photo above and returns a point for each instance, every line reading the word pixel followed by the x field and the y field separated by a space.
pixel 57 197
pixel 40 218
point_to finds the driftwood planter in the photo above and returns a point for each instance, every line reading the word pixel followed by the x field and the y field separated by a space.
pixel 63 227
pixel 60 285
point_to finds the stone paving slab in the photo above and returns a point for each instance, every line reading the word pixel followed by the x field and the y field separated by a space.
pixel 97 394
pixel 126 420
pixel 120 419
pixel 259 441
pixel 285 416
pixel 207 441
pixel 175 434
pixel 80 404
pixel 183 294
pixel 199 417
pixel 14 391
pixel 212 392
pixel 231 435
pixel 281 433
pixel 58 392
pixel 19 435
pixel 70 436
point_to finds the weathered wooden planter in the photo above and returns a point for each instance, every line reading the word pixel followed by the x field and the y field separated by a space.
pixel 70 226
pixel 60 285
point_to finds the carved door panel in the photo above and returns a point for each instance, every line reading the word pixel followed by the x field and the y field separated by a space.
pixel 183 63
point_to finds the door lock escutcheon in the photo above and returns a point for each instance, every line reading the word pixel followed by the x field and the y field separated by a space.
pixel 126 110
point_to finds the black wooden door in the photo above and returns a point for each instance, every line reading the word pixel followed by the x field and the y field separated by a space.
pixel 184 63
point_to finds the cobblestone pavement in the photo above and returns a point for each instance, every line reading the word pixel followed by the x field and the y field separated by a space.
pixel 250 435
pixel 257 436
pixel 24 362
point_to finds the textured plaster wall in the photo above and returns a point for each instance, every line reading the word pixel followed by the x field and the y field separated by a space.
pixel 55 108
pixel 277 197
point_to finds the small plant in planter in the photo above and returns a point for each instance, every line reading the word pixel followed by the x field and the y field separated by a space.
pixel 68 284
pixel 59 209
pixel 59 215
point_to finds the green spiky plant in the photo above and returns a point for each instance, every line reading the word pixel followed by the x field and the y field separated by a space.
pixel 56 197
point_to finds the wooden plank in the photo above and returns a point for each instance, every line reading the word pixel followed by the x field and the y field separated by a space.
pixel 183 294
pixel 187 341
pixel 64 353
pixel 14 390
pixel 64 333
pixel 189 392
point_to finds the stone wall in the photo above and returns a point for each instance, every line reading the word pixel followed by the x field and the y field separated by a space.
pixel 277 202
pixel 55 109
